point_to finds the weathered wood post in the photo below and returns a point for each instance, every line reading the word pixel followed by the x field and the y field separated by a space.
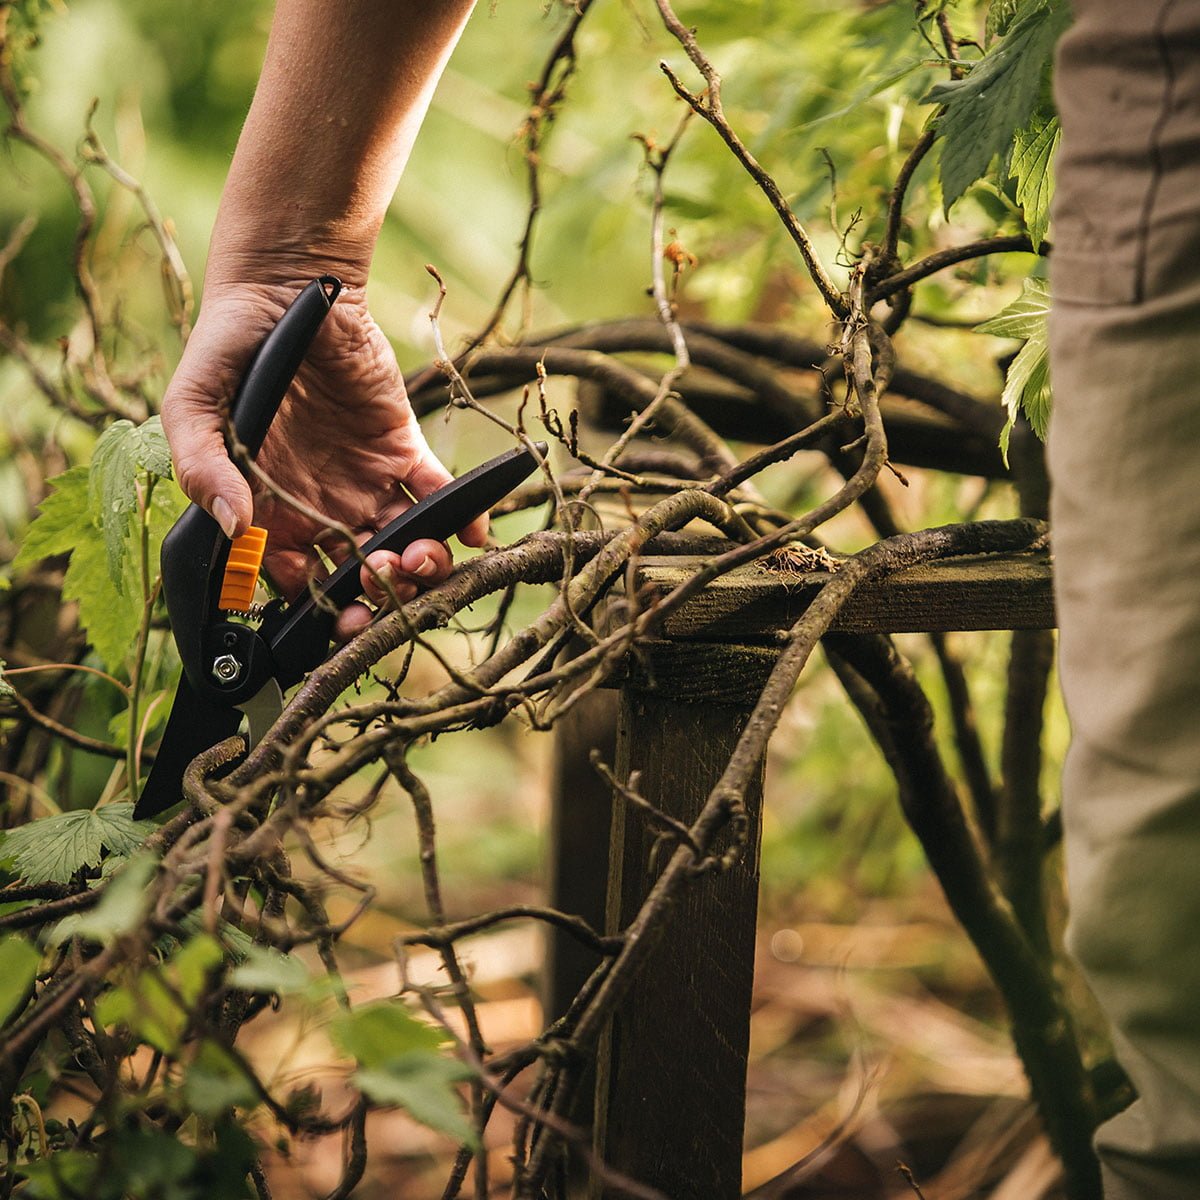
pixel 671 1071
pixel 671 1086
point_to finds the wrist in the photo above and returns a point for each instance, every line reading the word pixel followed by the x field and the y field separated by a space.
pixel 284 256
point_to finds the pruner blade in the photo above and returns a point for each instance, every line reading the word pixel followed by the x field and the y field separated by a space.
pixel 262 710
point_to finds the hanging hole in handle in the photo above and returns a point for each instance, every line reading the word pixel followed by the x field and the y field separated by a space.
pixel 331 285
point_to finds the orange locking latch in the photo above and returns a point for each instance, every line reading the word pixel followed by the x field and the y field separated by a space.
pixel 241 570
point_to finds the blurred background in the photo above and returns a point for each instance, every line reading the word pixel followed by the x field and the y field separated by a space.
pixel 869 998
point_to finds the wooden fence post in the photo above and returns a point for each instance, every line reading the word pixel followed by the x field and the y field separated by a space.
pixel 580 823
pixel 671 1069
pixel 670 1099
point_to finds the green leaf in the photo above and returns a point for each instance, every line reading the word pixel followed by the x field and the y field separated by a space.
pixel 267 970
pixel 192 965
pixel 151 451
pixel 147 1009
pixel 1033 169
pixel 223 1172
pixel 119 832
pixel 1027 386
pixel 63 518
pixel 155 1004
pixel 111 615
pixel 120 910
pixel 1025 317
pixel 64 525
pixel 423 1084
pixel 18 965
pixel 984 110
pixel 401 1062
pixel 66 1175
pixel 1000 16
pixel 376 1033
pixel 53 848
pixel 6 688
pixel 214 1083
pixel 112 493
pixel 153 1163
pixel 124 450
pixel 166 506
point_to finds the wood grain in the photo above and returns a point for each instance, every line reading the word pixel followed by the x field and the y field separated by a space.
pixel 752 603
pixel 670 1103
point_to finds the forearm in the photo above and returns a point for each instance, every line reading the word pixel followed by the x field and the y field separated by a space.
pixel 343 91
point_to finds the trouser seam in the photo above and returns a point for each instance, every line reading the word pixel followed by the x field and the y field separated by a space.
pixel 1157 165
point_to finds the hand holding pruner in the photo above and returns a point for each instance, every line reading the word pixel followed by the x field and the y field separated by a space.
pixel 232 667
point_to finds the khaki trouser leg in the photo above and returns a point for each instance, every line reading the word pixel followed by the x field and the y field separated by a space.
pixel 1125 462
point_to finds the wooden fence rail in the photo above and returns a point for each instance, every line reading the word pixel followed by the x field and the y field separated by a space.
pixel 671 1078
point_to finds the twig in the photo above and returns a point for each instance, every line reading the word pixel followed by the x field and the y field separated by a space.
pixel 708 106
pixel 941 259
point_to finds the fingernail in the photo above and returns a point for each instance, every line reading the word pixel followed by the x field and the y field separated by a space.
pixel 428 567
pixel 224 516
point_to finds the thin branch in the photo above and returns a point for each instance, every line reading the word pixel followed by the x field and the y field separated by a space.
pixel 708 105
pixel 941 259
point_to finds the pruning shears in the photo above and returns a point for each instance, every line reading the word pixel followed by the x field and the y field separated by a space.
pixel 233 667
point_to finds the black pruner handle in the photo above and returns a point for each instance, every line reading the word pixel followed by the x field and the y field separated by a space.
pixel 195 550
pixel 302 640
pixel 277 360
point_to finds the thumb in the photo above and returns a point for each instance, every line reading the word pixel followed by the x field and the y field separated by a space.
pixel 208 477
pixel 214 359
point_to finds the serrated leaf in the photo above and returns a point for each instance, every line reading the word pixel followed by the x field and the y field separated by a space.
pixel 1025 316
pixel 18 965
pixel 150 449
pixel 267 970
pixel 119 832
pixel 64 525
pixel 1027 385
pixel 984 110
pixel 112 492
pixel 122 452
pixel 1033 168
pixel 110 614
pixel 53 848
pixel 63 519
pixel 1000 16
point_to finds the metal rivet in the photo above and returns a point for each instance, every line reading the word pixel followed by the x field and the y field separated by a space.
pixel 226 668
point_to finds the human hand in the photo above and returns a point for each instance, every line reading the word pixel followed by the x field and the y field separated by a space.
pixel 345 442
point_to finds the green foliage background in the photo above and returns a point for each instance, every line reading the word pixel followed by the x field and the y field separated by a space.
pixel 829 94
